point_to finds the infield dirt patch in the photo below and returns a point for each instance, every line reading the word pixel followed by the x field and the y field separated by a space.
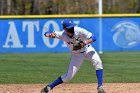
pixel 71 88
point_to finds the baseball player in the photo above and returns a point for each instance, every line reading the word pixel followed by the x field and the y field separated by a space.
pixel 79 41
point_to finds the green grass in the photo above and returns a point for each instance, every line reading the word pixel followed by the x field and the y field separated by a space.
pixel 17 68
pixel 122 66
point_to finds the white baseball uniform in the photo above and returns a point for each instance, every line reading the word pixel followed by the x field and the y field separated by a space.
pixel 77 57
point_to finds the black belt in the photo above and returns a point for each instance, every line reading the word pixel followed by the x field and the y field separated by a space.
pixel 82 52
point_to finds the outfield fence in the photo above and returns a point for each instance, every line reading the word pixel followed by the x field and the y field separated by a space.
pixel 24 33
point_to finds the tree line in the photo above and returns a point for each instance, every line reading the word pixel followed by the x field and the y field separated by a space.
pixel 47 7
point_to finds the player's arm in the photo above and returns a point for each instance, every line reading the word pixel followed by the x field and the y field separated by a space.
pixel 89 37
pixel 90 40
pixel 50 35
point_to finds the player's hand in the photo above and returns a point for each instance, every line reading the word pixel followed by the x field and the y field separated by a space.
pixel 50 35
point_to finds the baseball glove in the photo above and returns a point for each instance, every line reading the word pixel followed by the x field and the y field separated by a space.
pixel 78 44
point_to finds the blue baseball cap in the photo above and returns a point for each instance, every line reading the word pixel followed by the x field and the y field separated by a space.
pixel 67 23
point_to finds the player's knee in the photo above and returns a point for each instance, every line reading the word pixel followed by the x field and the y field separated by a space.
pixel 98 68
pixel 98 65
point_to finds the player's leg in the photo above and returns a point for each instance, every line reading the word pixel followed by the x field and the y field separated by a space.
pixel 52 85
pixel 74 66
pixel 76 61
pixel 97 63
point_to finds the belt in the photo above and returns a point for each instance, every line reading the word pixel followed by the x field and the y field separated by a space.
pixel 82 52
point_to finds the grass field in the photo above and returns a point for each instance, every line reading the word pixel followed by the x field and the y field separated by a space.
pixel 18 68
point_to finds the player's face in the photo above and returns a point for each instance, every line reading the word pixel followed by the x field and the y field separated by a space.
pixel 70 32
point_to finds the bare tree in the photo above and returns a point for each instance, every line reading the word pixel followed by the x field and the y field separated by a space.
pixel 2 2
pixel 39 7
pixel 15 7
pixel 36 9
pixel 8 6
pixel 137 7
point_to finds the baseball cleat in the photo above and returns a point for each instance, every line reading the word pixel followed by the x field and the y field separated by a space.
pixel 46 89
pixel 100 89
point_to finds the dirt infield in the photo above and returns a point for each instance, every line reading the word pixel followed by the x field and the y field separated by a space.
pixel 71 88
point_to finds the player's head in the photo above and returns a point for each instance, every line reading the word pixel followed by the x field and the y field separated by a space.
pixel 68 26
pixel 67 23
